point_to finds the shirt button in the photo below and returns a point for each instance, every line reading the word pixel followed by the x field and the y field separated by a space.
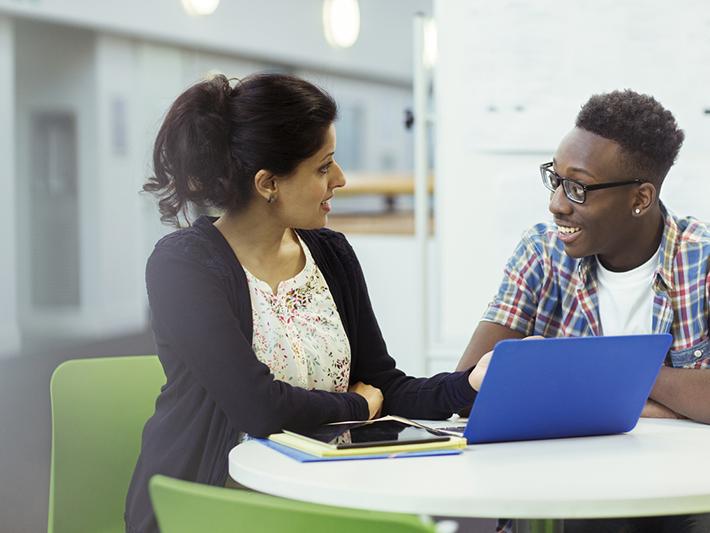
pixel 698 353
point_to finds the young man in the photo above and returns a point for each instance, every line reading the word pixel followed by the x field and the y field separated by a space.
pixel 614 262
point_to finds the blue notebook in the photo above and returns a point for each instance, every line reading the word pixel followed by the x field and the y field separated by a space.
pixel 565 387
pixel 303 457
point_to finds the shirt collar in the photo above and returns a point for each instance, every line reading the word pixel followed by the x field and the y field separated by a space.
pixel 669 248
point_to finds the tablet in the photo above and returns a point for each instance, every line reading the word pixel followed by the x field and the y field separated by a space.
pixel 366 434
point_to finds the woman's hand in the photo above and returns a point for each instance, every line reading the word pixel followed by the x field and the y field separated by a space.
pixel 372 395
pixel 476 376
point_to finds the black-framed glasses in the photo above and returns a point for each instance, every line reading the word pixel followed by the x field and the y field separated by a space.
pixel 576 192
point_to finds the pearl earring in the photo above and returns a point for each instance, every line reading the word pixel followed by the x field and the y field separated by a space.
pixel 637 211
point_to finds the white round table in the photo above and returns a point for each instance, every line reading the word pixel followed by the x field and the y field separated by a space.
pixel 659 468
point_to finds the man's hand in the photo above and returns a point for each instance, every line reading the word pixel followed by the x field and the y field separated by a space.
pixel 372 395
pixel 653 409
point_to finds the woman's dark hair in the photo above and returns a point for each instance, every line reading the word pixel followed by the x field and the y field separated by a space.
pixel 216 137
pixel 647 132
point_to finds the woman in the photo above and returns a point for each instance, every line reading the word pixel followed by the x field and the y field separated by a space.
pixel 261 318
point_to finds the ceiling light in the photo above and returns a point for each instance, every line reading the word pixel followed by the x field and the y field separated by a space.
pixel 199 7
pixel 341 22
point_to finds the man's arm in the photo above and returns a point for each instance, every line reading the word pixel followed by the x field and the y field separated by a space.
pixel 685 391
pixel 483 340
pixel 653 409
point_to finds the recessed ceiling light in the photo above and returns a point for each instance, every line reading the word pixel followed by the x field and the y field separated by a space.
pixel 199 7
pixel 341 22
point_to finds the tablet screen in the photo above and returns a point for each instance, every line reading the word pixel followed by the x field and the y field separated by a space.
pixel 378 433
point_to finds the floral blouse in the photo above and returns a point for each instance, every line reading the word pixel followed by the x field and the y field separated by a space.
pixel 298 333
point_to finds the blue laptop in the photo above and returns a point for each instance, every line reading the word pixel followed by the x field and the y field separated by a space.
pixel 565 387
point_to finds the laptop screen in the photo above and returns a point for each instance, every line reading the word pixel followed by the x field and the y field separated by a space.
pixel 565 387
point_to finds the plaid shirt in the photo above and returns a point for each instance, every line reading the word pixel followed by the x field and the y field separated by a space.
pixel 546 292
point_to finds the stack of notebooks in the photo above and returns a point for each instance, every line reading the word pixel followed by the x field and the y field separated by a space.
pixel 382 438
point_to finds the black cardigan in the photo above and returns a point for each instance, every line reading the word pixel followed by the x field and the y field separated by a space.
pixel 216 387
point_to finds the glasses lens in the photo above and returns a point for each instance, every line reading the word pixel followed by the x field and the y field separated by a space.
pixel 574 191
pixel 549 178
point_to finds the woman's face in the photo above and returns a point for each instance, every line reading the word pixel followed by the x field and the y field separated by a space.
pixel 304 196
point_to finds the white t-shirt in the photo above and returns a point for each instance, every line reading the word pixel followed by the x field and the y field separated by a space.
pixel 298 333
pixel 626 298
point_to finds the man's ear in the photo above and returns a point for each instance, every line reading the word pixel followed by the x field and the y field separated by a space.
pixel 644 199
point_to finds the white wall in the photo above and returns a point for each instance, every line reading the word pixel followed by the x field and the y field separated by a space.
pixel 118 296
pixel 55 72
pixel 9 331
pixel 390 268
pixel 285 31
pixel 510 79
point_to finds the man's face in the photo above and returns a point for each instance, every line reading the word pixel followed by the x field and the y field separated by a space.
pixel 602 224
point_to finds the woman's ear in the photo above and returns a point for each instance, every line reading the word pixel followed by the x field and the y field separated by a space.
pixel 266 185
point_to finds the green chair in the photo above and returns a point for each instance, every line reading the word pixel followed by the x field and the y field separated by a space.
pixel 186 507
pixel 99 407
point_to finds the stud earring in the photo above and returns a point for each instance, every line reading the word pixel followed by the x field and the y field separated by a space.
pixel 637 211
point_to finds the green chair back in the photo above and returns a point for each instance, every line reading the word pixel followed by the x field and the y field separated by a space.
pixel 185 507
pixel 99 407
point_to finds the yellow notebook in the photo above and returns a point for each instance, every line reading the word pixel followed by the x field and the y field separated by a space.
pixel 387 435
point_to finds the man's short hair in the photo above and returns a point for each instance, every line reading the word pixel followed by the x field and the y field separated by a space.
pixel 647 132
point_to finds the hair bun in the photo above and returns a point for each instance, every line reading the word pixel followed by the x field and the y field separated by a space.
pixel 220 91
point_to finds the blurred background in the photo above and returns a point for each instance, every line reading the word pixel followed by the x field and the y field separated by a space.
pixel 489 88
pixel 83 89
